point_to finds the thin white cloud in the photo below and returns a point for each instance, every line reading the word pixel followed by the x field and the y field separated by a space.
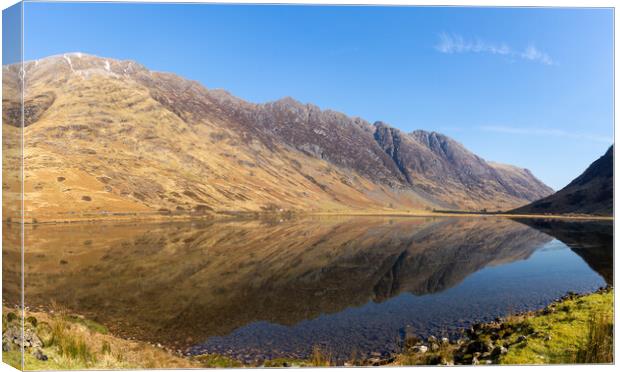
pixel 532 54
pixel 457 44
pixel 545 132
pixel 454 43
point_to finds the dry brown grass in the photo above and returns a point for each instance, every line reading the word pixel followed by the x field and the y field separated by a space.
pixel 75 344
pixel 321 358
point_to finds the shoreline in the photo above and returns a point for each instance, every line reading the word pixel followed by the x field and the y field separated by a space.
pixel 503 341
pixel 471 214
pixel 157 218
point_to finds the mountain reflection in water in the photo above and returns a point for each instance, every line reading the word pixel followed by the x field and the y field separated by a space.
pixel 253 288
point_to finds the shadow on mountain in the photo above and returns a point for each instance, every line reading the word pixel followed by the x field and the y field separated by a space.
pixel 180 283
pixel 591 240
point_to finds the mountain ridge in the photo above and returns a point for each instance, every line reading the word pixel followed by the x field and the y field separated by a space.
pixel 211 151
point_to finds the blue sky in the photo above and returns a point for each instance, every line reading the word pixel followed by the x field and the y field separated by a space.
pixel 531 87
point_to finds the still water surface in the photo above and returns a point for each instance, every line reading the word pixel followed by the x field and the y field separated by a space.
pixel 257 289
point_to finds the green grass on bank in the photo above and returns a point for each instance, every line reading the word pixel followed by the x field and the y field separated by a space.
pixel 14 359
pixel 579 330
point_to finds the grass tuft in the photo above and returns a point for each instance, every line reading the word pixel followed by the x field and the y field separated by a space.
pixel 106 348
pixel 320 358
pixel 69 344
pixel 599 344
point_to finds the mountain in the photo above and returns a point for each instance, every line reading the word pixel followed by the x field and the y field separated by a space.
pixel 590 193
pixel 105 137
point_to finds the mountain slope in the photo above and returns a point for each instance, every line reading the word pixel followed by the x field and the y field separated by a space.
pixel 111 137
pixel 590 193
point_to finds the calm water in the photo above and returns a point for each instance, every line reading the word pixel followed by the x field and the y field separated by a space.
pixel 263 289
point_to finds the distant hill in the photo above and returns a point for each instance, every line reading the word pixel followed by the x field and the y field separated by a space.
pixel 590 193
pixel 106 137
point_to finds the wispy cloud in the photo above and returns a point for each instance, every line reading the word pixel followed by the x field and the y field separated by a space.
pixel 457 44
pixel 545 132
pixel 532 54
pixel 454 43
